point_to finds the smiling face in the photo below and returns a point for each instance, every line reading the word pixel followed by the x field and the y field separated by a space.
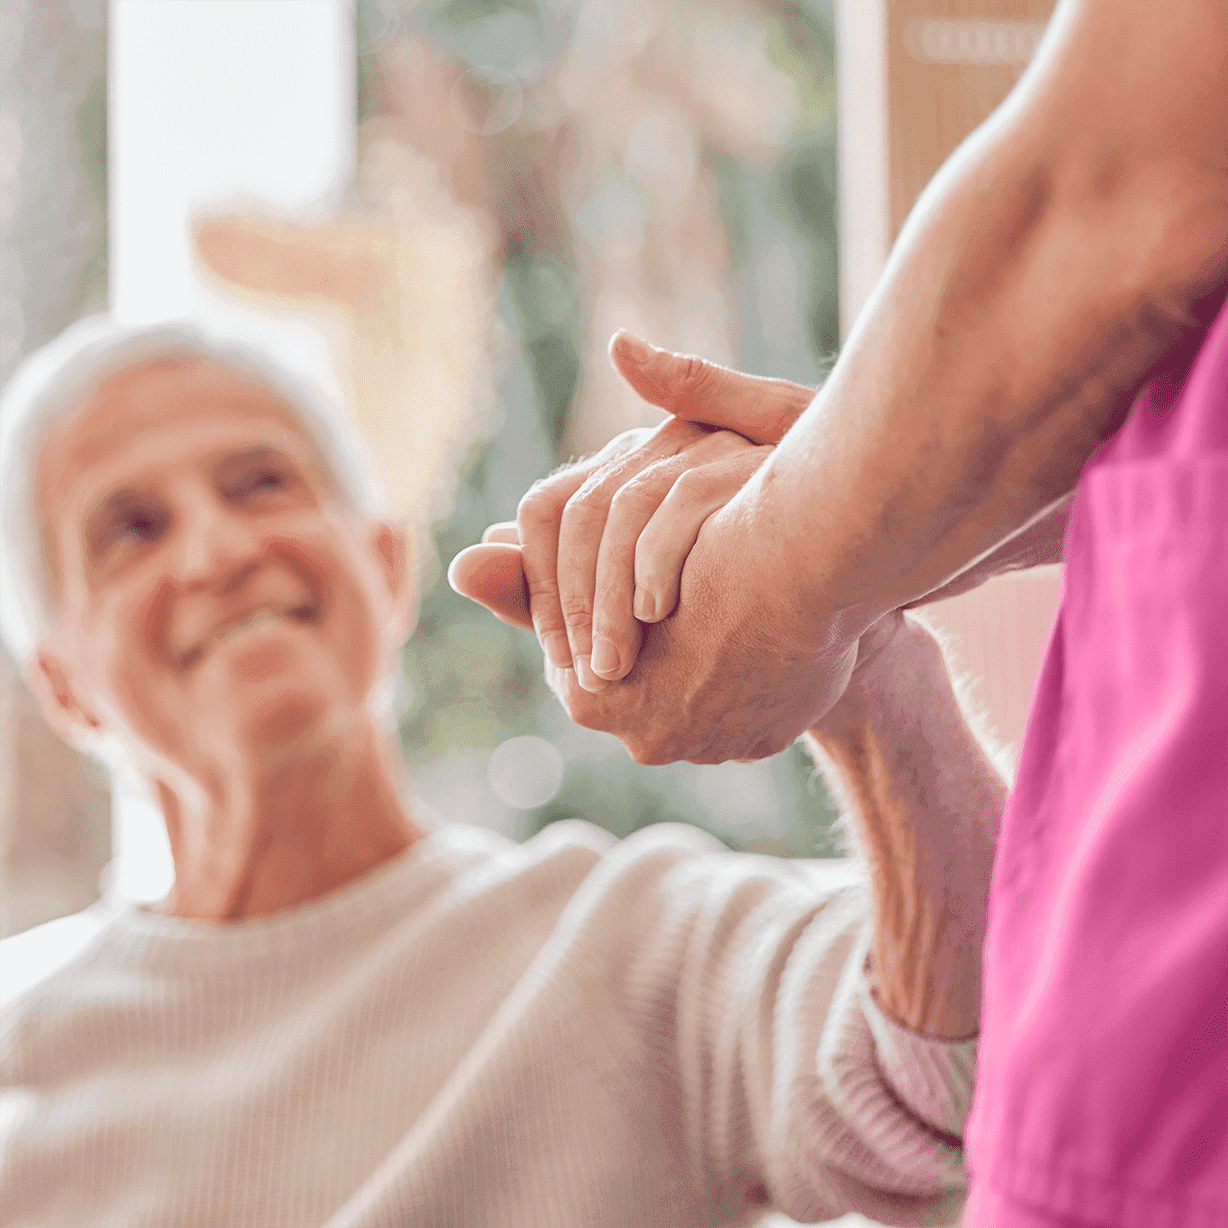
pixel 215 598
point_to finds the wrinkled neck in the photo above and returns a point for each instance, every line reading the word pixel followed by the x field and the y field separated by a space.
pixel 258 842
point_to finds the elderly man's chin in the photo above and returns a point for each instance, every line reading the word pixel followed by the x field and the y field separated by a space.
pixel 273 692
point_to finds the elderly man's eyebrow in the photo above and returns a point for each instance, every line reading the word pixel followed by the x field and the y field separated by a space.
pixel 271 454
pixel 260 451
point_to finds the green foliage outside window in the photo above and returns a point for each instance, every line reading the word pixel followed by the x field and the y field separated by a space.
pixel 473 683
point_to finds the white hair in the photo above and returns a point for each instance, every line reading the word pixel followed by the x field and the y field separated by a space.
pixel 58 380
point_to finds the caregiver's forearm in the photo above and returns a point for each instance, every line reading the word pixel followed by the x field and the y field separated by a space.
pixel 923 801
pixel 1065 250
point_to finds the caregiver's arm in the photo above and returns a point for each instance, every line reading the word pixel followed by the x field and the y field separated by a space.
pixel 1066 248
pixel 923 800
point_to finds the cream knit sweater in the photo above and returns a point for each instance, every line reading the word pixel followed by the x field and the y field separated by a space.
pixel 569 1032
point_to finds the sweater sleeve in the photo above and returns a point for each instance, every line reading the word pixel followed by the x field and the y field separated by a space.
pixel 800 1094
pixel 931 1076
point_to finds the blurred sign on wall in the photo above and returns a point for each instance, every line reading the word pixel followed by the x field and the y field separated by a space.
pixel 949 64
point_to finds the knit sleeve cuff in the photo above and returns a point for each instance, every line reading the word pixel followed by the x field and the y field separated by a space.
pixel 933 1078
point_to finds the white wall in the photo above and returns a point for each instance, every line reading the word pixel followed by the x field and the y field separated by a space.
pixel 861 118
pixel 213 102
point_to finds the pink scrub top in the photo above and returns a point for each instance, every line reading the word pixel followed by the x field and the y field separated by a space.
pixel 1102 1089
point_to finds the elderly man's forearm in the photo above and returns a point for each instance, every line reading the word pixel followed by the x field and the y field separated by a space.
pixel 923 800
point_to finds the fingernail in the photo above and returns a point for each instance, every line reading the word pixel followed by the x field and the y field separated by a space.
pixel 557 649
pixel 644 605
pixel 586 678
pixel 606 658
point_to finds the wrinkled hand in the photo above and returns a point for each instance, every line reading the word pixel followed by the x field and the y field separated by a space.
pixel 724 675
pixel 604 541
pixel 718 679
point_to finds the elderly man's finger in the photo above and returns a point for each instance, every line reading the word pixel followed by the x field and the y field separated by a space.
pixel 538 519
pixel 667 539
pixel 616 632
pixel 503 531
pixel 616 628
pixel 492 576
pixel 582 532
pixel 688 387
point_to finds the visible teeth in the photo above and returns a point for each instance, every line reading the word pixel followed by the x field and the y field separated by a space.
pixel 259 617
pixel 303 613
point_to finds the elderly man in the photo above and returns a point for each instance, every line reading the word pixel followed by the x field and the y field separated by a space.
pixel 1048 342
pixel 342 1016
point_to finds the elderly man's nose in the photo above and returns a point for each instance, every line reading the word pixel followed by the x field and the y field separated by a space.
pixel 212 543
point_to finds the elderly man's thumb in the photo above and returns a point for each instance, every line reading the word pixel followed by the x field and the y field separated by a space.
pixel 492 575
pixel 696 390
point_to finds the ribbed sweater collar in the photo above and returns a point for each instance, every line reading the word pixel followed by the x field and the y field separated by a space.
pixel 349 916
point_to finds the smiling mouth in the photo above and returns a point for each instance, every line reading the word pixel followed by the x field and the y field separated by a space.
pixel 257 618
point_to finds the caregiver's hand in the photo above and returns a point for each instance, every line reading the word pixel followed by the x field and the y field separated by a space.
pixel 725 675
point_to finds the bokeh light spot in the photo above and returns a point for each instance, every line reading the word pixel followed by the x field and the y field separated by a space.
pixel 486 100
pixel 525 772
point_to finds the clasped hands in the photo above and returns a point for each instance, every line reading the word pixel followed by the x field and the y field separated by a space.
pixel 660 612
pixel 662 583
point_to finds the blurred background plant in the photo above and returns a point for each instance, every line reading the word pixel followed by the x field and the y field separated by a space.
pixel 667 167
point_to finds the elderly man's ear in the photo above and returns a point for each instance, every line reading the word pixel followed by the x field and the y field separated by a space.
pixel 63 709
pixel 395 551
